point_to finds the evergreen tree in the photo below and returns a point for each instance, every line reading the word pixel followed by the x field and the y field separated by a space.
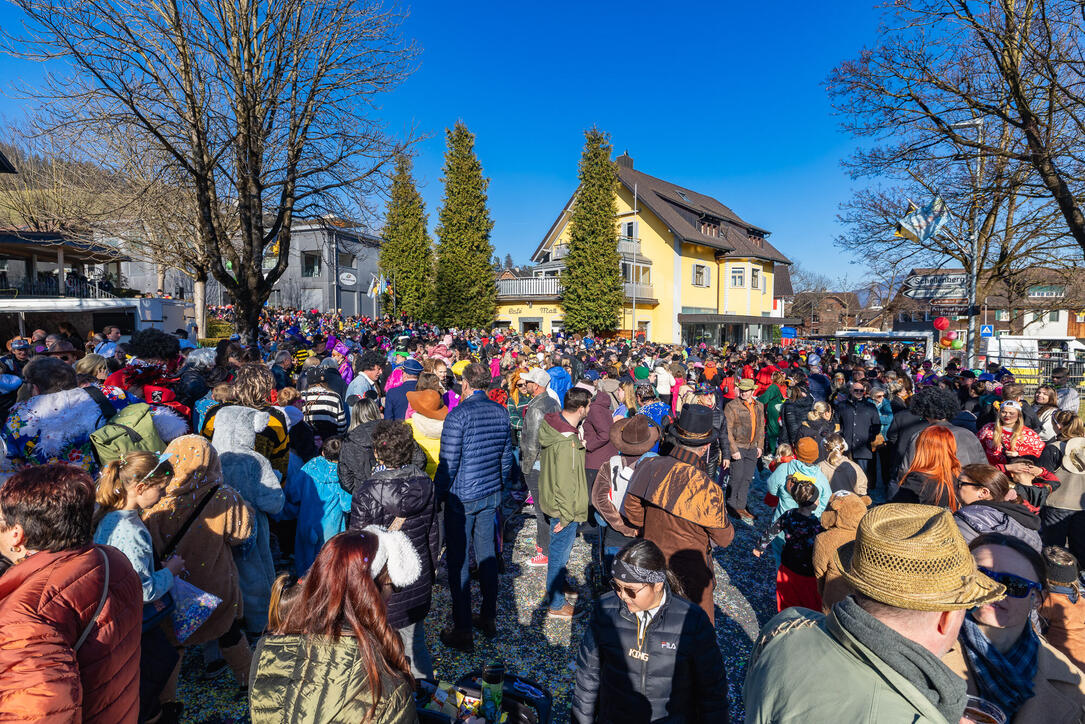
pixel 406 255
pixel 508 261
pixel 592 280
pixel 466 292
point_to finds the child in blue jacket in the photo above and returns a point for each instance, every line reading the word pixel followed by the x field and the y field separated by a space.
pixel 322 504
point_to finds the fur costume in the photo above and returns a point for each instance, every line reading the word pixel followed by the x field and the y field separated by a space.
pixel 250 474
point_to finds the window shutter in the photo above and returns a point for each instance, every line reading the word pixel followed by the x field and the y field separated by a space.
pixel 693 274
pixel 707 276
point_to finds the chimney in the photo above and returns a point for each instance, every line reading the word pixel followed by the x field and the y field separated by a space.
pixel 625 160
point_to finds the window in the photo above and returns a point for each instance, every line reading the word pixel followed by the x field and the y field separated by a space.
pixel 346 260
pixel 815 317
pixel 903 317
pixel 640 274
pixel 1002 315
pixel 738 277
pixel 1053 316
pixel 702 275
pixel 682 195
pixel 629 229
pixel 709 228
pixel 755 278
pixel 1037 316
pixel 815 330
pixel 843 318
pixel 310 264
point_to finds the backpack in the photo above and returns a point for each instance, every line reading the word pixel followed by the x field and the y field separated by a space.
pixel 131 428
pixel 620 475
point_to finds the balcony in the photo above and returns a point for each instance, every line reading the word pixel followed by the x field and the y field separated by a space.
pixel 550 288
pixel 74 288
pixel 628 245
pixel 536 287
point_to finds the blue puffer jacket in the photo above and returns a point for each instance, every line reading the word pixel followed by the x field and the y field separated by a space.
pixel 476 449
pixel 560 382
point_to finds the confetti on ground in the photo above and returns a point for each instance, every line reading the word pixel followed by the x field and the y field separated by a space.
pixel 544 649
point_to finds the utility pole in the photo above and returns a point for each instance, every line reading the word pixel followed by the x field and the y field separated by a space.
pixel 974 260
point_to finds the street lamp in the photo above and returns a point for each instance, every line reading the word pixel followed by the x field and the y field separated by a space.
pixel 973 276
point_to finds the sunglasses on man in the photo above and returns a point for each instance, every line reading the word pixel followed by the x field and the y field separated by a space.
pixel 1016 586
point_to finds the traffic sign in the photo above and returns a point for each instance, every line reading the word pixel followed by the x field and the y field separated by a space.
pixel 987 330
pixel 787 332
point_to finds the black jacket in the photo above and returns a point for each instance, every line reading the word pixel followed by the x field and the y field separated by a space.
pixel 905 426
pixel 356 461
pixel 404 493
pixel 675 677
pixel 191 386
pixel 860 423
pixel 794 412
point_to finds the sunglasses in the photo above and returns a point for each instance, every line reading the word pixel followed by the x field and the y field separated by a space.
pixel 627 592
pixel 1016 586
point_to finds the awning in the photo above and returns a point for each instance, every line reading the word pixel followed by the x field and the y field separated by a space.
pixel 734 319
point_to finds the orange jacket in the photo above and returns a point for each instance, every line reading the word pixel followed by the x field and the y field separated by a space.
pixel 46 602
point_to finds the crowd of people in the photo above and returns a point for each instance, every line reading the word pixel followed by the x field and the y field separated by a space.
pixel 925 520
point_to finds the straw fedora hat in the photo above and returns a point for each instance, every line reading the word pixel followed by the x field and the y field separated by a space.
pixel 913 557
pixel 634 435
pixel 1073 456
pixel 427 403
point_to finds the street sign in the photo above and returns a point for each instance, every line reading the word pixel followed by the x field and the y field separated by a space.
pixel 935 286
pixel 787 332
pixel 987 330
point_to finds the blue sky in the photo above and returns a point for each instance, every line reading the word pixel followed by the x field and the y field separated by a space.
pixel 726 98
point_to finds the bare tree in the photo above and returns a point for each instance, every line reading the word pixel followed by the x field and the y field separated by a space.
pixel 1018 66
pixel 263 111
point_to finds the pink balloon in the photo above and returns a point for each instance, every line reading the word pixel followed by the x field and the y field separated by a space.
pixel 951 334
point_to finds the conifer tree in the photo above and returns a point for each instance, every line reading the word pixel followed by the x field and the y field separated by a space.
pixel 593 293
pixel 466 292
pixel 406 256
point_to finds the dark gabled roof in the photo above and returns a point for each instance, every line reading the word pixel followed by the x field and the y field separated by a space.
pixel 781 282
pixel 5 165
pixel 682 210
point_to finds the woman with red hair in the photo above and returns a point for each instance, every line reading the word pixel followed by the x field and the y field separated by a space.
pixel 334 657
pixel 932 477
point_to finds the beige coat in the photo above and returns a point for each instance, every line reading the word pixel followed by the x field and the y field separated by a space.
pixel 225 521
pixel 1059 687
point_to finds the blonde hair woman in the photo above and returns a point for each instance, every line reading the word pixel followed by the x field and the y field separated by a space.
pixel 1008 437
pixel 841 472
pixel 93 365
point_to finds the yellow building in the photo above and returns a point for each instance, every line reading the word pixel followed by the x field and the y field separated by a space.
pixel 693 270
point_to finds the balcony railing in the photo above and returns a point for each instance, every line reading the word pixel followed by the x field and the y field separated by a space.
pixel 560 251
pixel 628 245
pixel 537 287
pixel 78 289
pixel 551 287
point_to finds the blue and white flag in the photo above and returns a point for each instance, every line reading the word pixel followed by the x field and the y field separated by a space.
pixel 922 224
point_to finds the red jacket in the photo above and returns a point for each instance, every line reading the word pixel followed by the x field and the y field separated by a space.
pixel 46 602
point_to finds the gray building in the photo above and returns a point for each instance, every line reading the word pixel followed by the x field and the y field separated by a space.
pixel 330 267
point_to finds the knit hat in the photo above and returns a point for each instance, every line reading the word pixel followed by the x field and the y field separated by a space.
pixel 913 557
pixel 641 373
pixel 459 367
pixel 1064 573
pixel 806 450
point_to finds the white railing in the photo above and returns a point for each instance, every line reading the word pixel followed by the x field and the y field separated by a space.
pixel 560 251
pixel 551 287
pixel 628 245
pixel 537 287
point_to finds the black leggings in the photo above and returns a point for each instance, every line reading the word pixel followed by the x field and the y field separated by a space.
pixel 1064 528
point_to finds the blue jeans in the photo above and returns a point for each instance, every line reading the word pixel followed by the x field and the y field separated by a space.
pixel 471 522
pixel 561 545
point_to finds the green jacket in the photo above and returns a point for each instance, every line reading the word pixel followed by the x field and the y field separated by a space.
pixel 563 488
pixel 806 668
pixel 305 680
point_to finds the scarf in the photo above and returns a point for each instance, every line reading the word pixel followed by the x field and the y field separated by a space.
pixel 936 681
pixel 1003 678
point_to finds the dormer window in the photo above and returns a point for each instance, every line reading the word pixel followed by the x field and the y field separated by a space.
pixel 710 228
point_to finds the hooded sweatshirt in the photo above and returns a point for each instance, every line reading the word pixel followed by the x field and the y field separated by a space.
pixel 994 516
pixel 563 489
pixel 840 521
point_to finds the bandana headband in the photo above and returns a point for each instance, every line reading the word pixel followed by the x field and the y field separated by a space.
pixel 629 573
